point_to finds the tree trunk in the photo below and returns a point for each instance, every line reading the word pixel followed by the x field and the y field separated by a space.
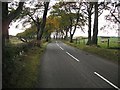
pixel 56 35
pixel 77 20
pixel 5 23
pixel 66 34
pixel 5 30
pixel 95 28
pixel 46 5
pixel 7 18
pixel 71 38
pixel 4 15
pixel 89 28
pixel 48 36
pixel 62 36
pixel 38 29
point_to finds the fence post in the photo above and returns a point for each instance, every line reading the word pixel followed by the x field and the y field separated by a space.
pixel 84 41
pixel 76 40
pixel 79 41
pixel 108 43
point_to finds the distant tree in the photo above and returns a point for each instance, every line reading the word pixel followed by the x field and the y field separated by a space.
pixel 52 24
pixel 76 19
pixel 64 21
pixel 73 14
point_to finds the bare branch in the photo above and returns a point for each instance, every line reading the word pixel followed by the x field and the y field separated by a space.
pixel 15 13
pixel 33 19
pixel 115 17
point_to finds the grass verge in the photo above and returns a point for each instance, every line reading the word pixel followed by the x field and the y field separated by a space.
pixel 24 69
pixel 109 54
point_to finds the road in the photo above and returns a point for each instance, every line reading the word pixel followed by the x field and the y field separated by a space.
pixel 63 66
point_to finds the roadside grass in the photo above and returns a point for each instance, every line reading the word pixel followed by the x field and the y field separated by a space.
pixel 28 71
pixel 22 70
pixel 109 54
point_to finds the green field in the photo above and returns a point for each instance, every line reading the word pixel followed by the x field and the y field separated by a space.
pixel 113 42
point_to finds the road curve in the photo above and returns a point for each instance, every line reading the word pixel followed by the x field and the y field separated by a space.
pixel 63 66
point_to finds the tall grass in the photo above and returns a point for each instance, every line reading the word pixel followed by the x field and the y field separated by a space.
pixel 20 64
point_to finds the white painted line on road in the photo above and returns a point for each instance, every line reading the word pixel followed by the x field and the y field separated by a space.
pixel 59 46
pixel 106 80
pixel 72 56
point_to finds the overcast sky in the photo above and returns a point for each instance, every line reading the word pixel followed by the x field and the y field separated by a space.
pixel 109 31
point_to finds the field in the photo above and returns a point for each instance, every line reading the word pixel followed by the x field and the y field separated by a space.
pixel 103 42
pixel 113 43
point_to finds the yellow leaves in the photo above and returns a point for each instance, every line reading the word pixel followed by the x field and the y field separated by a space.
pixel 52 23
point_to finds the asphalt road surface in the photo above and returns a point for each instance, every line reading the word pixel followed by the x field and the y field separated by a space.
pixel 63 66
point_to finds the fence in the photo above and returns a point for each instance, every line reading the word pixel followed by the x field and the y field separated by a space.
pixel 80 41
pixel 104 42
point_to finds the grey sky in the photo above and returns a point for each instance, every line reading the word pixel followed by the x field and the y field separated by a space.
pixel 107 32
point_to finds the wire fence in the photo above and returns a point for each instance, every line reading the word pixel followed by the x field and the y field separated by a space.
pixel 110 42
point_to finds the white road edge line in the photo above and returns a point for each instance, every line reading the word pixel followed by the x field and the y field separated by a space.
pixel 72 56
pixel 106 80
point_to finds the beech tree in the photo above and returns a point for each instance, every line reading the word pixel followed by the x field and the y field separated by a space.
pixel 43 23
pixel 64 22
pixel 52 24
pixel 7 18
pixel 95 26
pixel 72 10
pixel 34 15
pixel 29 33
pixel 114 9
pixel 88 11
pixel 76 19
